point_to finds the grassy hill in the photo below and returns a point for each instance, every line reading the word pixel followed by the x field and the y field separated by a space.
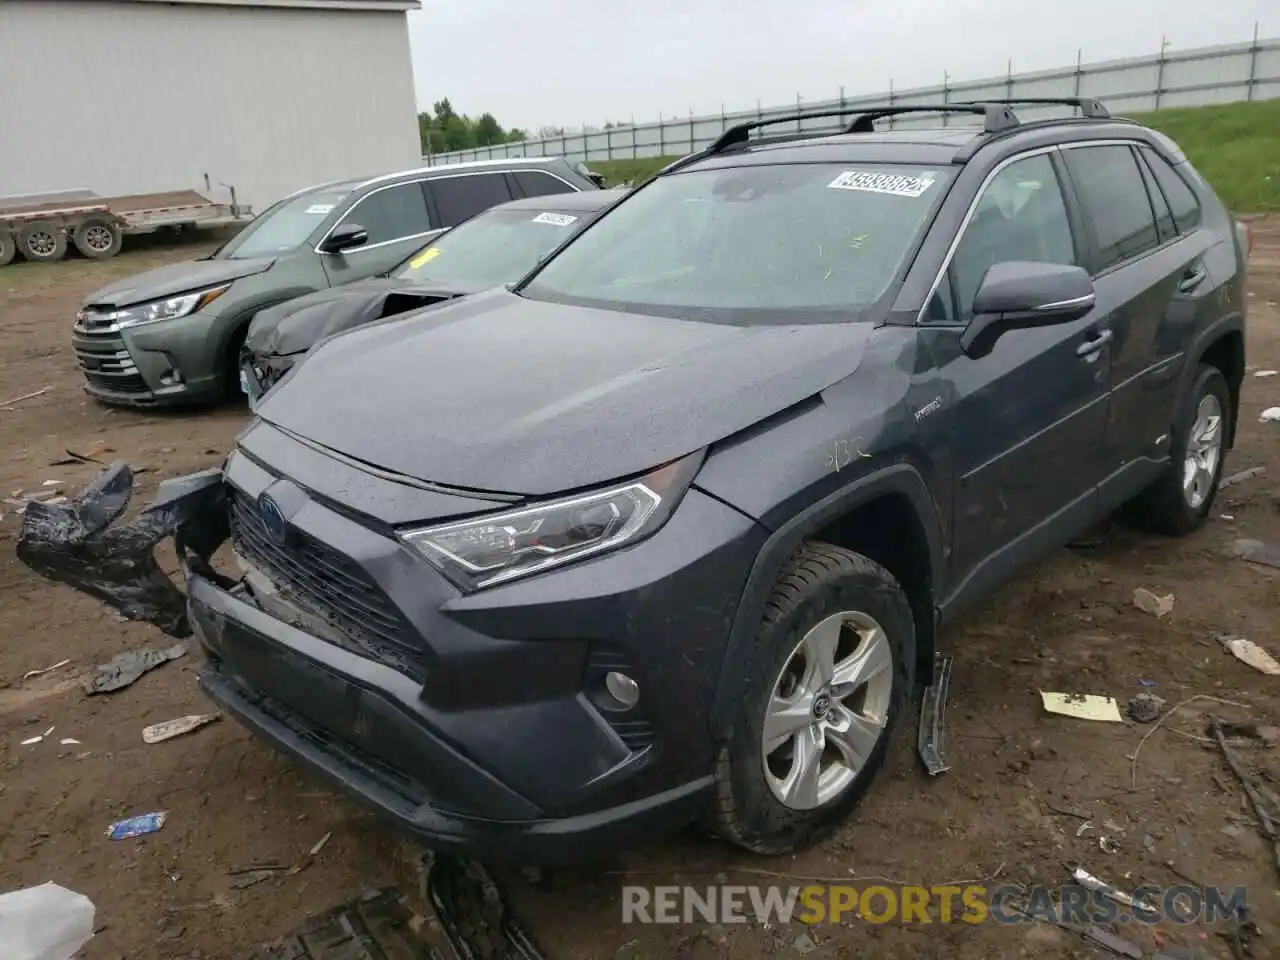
pixel 1235 145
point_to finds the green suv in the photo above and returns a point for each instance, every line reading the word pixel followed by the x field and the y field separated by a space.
pixel 173 335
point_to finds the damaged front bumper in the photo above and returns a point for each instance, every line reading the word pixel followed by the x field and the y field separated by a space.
pixel 75 543
pixel 260 372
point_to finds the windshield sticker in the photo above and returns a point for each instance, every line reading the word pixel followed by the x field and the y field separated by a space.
pixel 897 184
pixel 558 219
pixel 319 209
pixel 425 257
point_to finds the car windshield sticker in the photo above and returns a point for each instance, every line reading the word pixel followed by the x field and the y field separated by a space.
pixel 558 219
pixel 898 184
pixel 425 257
pixel 319 209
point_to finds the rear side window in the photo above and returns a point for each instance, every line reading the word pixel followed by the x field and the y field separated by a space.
pixel 1182 200
pixel 532 183
pixel 392 213
pixel 461 198
pixel 1164 219
pixel 1114 196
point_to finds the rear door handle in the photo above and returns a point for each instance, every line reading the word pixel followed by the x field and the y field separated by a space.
pixel 1090 347
pixel 1192 278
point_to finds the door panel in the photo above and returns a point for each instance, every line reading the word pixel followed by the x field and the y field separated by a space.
pixel 1026 421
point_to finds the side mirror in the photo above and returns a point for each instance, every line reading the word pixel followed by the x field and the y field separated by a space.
pixel 345 237
pixel 597 179
pixel 1017 295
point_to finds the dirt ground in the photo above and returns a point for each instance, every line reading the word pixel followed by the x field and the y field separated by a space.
pixel 1070 624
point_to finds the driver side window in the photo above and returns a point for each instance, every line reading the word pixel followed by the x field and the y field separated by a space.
pixel 1020 216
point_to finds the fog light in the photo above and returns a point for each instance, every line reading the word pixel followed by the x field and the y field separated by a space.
pixel 171 378
pixel 622 688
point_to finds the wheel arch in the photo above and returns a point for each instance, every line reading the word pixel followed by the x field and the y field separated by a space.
pixel 890 517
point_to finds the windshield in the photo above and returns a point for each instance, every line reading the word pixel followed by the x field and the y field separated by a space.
pixel 497 247
pixel 282 227
pixel 764 244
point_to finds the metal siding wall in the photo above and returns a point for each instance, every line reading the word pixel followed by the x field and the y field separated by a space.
pixel 1245 71
pixel 125 98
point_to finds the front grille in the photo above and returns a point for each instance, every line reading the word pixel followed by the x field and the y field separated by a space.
pixel 330 586
pixel 108 365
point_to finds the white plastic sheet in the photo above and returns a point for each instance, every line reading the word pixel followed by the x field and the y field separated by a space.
pixel 47 922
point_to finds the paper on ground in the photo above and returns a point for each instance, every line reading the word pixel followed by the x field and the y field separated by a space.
pixel 1246 651
pixel 1082 706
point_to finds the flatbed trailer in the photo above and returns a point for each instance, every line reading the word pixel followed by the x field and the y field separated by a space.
pixel 40 226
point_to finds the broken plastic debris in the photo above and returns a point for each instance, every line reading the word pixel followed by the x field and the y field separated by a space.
pixel 43 670
pixel 320 844
pixel 47 922
pixel 1145 707
pixel 1082 706
pixel 1270 415
pixel 123 669
pixel 1255 551
pixel 1265 373
pixel 69 742
pixel 31 740
pixel 1241 476
pixel 137 826
pixel 158 732
pixel 1153 603
pixel 1090 882
pixel 1246 651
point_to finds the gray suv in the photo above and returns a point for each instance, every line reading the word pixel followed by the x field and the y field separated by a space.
pixel 173 335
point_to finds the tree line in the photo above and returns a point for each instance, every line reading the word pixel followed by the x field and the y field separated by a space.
pixel 443 130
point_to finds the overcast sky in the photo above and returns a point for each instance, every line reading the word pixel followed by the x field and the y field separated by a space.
pixel 569 62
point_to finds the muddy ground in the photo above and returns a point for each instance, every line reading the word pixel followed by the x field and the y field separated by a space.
pixel 1069 624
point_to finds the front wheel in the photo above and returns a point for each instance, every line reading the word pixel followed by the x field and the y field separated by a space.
pixel 42 242
pixel 825 681
pixel 1179 501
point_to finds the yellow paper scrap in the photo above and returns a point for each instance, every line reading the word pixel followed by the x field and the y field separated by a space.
pixel 1082 706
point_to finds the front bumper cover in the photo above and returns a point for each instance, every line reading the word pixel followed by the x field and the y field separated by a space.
pixel 74 543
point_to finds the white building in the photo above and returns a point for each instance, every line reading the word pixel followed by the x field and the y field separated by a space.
pixel 142 96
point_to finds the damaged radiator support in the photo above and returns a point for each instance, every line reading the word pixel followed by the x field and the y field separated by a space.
pixel 74 543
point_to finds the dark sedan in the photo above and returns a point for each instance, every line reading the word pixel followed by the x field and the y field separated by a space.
pixel 498 246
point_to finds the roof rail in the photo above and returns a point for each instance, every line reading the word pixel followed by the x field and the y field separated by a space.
pixel 995 116
pixel 1088 106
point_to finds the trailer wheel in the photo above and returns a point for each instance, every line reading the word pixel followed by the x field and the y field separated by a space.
pixel 98 238
pixel 43 242
pixel 8 249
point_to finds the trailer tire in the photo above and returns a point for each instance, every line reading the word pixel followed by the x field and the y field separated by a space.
pixel 43 242
pixel 8 248
pixel 98 238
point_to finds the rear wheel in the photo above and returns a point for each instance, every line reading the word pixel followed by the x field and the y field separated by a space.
pixel 826 679
pixel 1180 500
pixel 42 242
pixel 8 248
pixel 98 238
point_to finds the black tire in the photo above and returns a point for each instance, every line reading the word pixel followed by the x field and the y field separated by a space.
pixel 1163 507
pixel 98 238
pixel 818 581
pixel 42 242
pixel 8 248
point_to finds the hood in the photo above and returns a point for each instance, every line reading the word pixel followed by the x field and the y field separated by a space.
pixel 495 392
pixel 174 279
pixel 297 325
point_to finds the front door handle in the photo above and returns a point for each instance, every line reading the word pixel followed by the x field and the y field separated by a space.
pixel 1090 347
pixel 1193 277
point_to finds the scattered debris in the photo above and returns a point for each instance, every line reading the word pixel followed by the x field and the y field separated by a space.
pixel 137 826
pixel 1270 415
pixel 73 458
pixel 1067 811
pixel 1084 828
pixel 930 735
pixel 1246 651
pixel 1266 373
pixel 252 877
pixel 1269 736
pixel 1108 845
pixel 1133 757
pixel 1255 551
pixel 1145 707
pixel 1090 882
pixel 36 739
pixel 1153 603
pixel 26 396
pixel 1241 476
pixel 473 913
pixel 43 670
pixel 123 669
pixel 320 844
pixel 1082 706
pixel 1268 820
pixel 158 732
pixel 69 742
pixel 47 922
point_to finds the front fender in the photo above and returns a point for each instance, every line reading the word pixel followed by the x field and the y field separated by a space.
pixel 74 543
pixel 900 479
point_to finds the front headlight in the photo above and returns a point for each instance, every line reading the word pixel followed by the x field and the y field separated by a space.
pixel 503 546
pixel 170 309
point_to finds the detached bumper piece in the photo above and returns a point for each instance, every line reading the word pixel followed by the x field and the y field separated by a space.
pixel 74 543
